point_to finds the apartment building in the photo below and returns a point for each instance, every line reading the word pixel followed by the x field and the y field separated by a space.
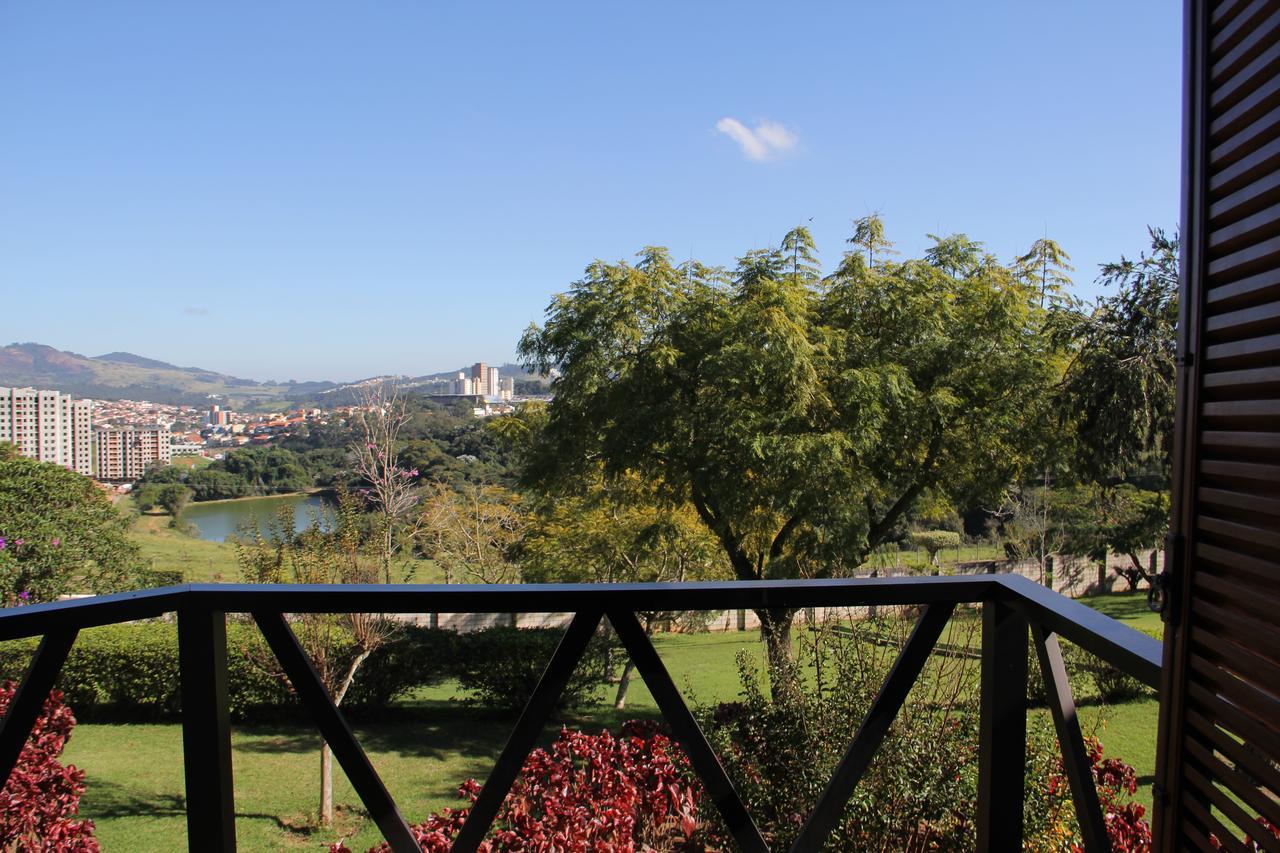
pixel 48 426
pixel 125 454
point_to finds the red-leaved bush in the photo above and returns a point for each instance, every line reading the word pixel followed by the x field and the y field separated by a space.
pixel 1116 782
pixel 586 793
pixel 1264 825
pixel 38 804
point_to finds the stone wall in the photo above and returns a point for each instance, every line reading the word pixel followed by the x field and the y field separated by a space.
pixel 1073 577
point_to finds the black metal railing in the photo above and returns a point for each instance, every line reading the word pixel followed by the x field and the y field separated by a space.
pixel 1015 611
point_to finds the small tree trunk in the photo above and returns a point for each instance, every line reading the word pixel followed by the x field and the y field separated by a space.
pixel 609 661
pixel 775 628
pixel 326 785
pixel 871 609
pixel 326 757
pixel 624 683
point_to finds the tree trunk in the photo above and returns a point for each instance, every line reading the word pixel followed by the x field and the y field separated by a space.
pixel 609 661
pixel 620 699
pixel 775 628
pixel 624 683
pixel 326 756
pixel 326 785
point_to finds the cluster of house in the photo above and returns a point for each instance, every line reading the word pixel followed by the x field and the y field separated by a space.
pixel 117 441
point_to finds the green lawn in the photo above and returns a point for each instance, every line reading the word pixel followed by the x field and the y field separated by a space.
pixel 193 461
pixel 166 548
pixel 135 789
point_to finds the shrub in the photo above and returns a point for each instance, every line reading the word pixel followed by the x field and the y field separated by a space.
pixel 413 657
pixel 934 541
pixel 1116 782
pixel 1075 659
pixel 586 792
pixel 780 751
pixel 130 672
pixel 38 804
pixel 500 667
pixel 1112 684
pixel 1109 682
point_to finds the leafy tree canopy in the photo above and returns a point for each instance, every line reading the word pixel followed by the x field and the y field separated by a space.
pixel 1119 386
pixel 60 533
pixel 801 420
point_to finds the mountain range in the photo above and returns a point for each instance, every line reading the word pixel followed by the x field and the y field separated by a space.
pixel 126 376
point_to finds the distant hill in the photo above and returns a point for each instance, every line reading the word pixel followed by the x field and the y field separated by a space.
pixel 125 376
pixel 137 361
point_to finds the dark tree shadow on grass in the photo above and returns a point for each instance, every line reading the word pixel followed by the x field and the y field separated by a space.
pixel 112 801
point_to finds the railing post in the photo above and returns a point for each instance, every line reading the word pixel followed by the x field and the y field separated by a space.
pixel 1002 737
pixel 206 730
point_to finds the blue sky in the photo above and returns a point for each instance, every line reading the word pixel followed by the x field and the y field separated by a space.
pixel 315 190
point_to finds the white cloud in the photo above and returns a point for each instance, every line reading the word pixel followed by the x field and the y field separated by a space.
pixel 768 140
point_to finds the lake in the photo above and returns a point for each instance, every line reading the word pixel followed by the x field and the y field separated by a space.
pixel 216 520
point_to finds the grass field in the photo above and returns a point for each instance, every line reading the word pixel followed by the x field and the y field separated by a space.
pixel 192 462
pixel 166 548
pixel 135 792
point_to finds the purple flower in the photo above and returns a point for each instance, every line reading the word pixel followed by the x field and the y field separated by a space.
pixel 372 446
pixel 24 595
pixel 17 543
pixel 413 473
pixel 56 542
pixel 3 542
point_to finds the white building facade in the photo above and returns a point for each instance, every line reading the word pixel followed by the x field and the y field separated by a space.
pixel 126 454
pixel 48 426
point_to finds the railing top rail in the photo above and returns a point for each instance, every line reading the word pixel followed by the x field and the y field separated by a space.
pixel 1132 651
pixel 1095 632
pixel 35 619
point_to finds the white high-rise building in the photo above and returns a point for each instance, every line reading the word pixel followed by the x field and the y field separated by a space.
pixel 126 454
pixel 491 382
pixel 48 426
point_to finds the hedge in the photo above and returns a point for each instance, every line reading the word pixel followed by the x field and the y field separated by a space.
pixel 130 672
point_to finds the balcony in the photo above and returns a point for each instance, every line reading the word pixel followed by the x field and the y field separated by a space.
pixel 1014 612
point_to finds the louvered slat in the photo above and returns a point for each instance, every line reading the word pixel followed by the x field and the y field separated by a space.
pixel 1233 750
pixel 1220 703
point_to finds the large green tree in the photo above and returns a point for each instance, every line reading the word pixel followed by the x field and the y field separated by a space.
pixel 1119 386
pixel 1117 398
pixel 800 419
pixel 59 533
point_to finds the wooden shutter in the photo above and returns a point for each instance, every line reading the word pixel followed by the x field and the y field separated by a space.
pixel 1218 769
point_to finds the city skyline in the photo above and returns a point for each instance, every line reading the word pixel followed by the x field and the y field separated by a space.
pixel 418 183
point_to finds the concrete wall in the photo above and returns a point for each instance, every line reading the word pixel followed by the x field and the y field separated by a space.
pixel 1073 577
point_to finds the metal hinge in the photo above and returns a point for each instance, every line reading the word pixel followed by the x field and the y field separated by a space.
pixel 1163 591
